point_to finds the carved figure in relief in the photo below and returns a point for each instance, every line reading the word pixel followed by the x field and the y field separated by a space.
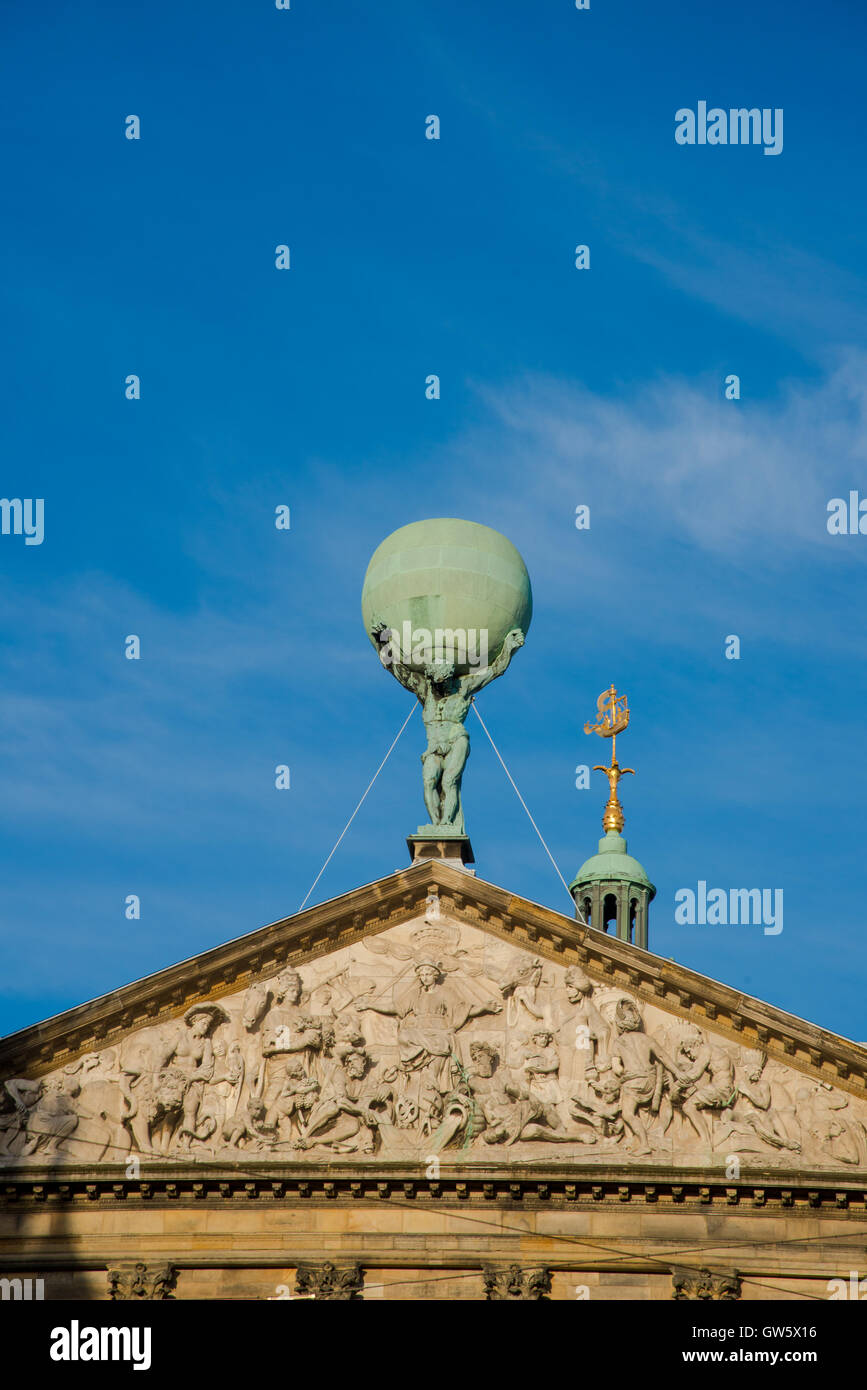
pixel 520 988
pixel 477 1103
pixel 490 1103
pixel 819 1114
pixel 51 1117
pixel 583 1032
pixel 37 1117
pixel 255 1006
pixel 248 1125
pixel 541 1064
pixel 153 1099
pixel 287 1026
pixel 290 1111
pixel 10 1120
pixel 347 1116
pixel 506 1109
pixel 597 1100
pixel 640 1062
pixel 705 1082
pixel 17 1097
pixel 184 1065
pixel 101 1107
pixel 754 1111
pixel 163 1106
pixel 429 1014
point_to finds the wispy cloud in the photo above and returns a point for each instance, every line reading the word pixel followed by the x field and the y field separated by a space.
pixel 732 477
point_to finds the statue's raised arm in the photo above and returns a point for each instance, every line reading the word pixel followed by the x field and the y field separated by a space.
pixel 477 680
pixel 386 645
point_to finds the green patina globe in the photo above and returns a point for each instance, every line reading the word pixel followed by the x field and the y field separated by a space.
pixel 449 576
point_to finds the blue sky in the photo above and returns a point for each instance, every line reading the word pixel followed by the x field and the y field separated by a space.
pixel 306 387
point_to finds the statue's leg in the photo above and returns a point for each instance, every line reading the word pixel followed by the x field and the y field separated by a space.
pixel 697 1120
pixel 534 1131
pixel 432 772
pixel 633 1121
pixel 192 1100
pixel 455 763
pixel 345 1127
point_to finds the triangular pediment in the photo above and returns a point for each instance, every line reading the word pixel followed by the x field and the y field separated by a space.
pixel 437 1019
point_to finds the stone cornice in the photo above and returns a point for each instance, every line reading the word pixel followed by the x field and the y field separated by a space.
pixel 536 1186
pixel 398 898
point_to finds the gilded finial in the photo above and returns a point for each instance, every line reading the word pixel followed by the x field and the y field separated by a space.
pixel 612 718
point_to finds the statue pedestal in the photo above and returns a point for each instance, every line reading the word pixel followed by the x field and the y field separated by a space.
pixel 431 843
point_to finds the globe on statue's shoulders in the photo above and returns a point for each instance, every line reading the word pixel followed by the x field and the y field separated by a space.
pixel 446 590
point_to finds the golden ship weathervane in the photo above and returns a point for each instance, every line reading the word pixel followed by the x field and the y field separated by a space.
pixel 612 711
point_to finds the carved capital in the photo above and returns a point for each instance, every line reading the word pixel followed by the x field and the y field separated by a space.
pixel 718 1286
pixel 513 1282
pixel 136 1280
pixel 329 1281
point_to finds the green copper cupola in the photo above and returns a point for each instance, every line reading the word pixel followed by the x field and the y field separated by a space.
pixel 611 889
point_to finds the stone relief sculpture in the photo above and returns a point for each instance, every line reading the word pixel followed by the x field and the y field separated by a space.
pixel 347 1116
pixel 50 1116
pixel 690 1285
pixel 343 1283
pixel 641 1065
pixel 754 1107
pixel 187 1062
pixel 431 1038
pixel 519 989
pixel 581 1028
pixel 429 1014
pixel 516 1284
pixel 131 1281
pixel 705 1083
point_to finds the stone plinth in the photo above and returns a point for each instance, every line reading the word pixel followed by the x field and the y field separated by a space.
pixel 451 849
